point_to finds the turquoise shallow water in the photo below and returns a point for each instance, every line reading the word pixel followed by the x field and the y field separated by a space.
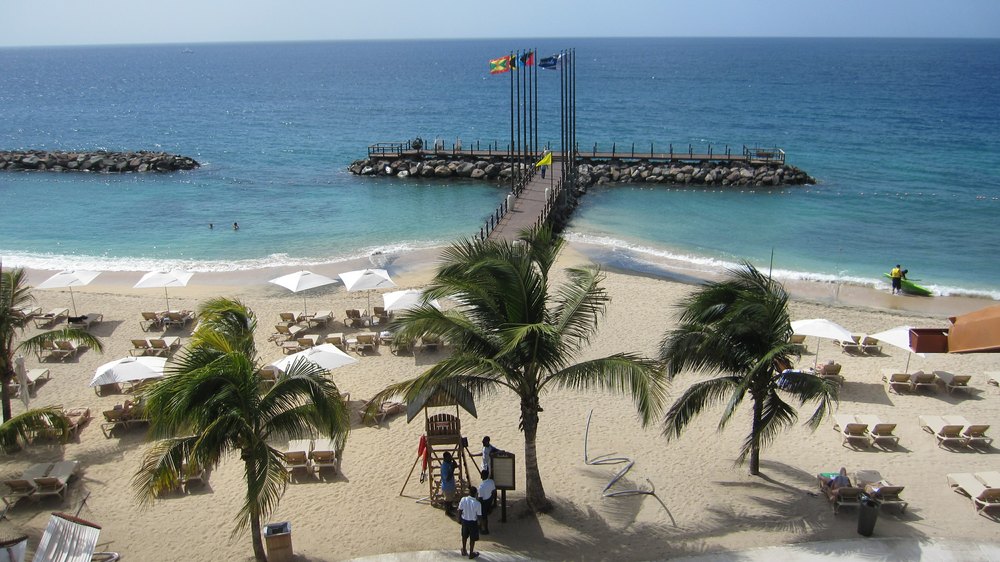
pixel 902 135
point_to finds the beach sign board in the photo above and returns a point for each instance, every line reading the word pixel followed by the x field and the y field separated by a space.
pixel 503 470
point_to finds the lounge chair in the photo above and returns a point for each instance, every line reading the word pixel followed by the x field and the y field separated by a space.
pixel 113 419
pixel 852 345
pixel 268 376
pixel 151 320
pixel 851 430
pixel 879 432
pixel 86 321
pixel 429 343
pixel 55 483
pixel 887 495
pixel 76 418
pixel 299 344
pixel 296 457
pixel 320 318
pixel 140 347
pixel 975 434
pixel 921 379
pixel 164 346
pixel 324 455
pixel 27 312
pixel 830 371
pixel 32 377
pixel 897 381
pixel 25 486
pixel 354 319
pixel 50 318
pixel 982 497
pixel 366 342
pixel 870 345
pixel 289 318
pixel 337 339
pixel 178 319
pixel 953 382
pixel 49 350
pixel 798 342
pixel 844 496
pixel 67 348
pixel 283 333
pixel 946 433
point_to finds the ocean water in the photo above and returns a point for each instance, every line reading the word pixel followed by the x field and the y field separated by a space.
pixel 903 136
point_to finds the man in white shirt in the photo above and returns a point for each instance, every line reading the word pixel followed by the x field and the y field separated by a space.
pixel 469 511
pixel 488 451
pixel 487 495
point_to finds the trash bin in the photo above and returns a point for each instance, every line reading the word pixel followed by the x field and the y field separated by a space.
pixel 867 516
pixel 278 540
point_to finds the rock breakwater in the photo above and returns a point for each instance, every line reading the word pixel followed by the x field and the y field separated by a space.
pixel 597 172
pixel 99 161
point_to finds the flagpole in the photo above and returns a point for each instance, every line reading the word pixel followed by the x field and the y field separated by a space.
pixel 535 104
pixel 510 150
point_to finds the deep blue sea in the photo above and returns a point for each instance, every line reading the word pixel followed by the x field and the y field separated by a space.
pixel 903 136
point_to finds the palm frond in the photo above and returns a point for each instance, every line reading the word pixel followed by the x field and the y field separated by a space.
pixel 160 469
pixel 78 336
pixel 623 374
pixel 20 429
pixel 695 399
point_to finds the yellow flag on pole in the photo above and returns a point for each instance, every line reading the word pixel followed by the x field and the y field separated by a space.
pixel 545 161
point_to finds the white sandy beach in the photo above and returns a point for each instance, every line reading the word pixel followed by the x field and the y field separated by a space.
pixel 708 504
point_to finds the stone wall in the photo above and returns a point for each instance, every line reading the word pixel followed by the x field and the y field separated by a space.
pixel 99 161
pixel 596 172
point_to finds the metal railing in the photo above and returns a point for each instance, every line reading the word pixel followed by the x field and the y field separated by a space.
pixel 758 154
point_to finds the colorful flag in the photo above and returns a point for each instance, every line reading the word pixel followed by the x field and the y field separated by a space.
pixel 551 63
pixel 545 161
pixel 501 65
pixel 528 58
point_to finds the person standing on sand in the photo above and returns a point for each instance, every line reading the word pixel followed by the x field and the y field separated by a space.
pixel 488 450
pixel 469 511
pixel 487 496
pixel 448 482
pixel 897 279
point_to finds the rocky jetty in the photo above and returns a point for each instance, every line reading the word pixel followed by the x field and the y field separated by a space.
pixel 598 172
pixel 100 161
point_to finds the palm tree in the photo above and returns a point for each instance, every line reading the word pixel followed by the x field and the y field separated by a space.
pixel 211 406
pixel 18 430
pixel 512 332
pixel 739 329
pixel 15 293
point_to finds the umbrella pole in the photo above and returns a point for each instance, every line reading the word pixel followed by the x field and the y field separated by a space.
pixel 907 369
pixel 73 300
pixel 167 297
pixel 816 362
pixel 304 309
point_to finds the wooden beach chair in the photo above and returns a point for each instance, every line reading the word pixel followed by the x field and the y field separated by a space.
pixel 151 320
pixel 324 455
pixel 975 434
pixel 296 456
pixel 897 381
pixel 178 319
pixel 830 371
pixel 953 382
pixel 878 431
pixel 283 333
pixel 140 346
pixel 946 433
pixel 851 346
pixel 366 342
pixel 798 342
pixel 851 430
pixel 164 346
pixel 870 345
pixel 983 498
pixel 336 339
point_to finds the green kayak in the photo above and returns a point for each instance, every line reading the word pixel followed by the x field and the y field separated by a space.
pixel 911 288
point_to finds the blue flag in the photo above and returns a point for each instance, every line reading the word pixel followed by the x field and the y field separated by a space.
pixel 551 63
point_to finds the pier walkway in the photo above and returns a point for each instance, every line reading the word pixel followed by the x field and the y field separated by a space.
pixel 390 150
pixel 531 207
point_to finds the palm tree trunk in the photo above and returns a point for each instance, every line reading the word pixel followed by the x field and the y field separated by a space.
pixel 758 409
pixel 5 396
pixel 258 543
pixel 535 492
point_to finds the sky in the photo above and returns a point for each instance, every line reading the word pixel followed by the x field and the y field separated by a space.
pixel 103 22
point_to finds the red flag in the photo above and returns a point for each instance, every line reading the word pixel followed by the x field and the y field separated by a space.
pixel 528 58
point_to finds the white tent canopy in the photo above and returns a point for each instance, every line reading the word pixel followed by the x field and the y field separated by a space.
pixel 327 356
pixel 69 279
pixel 165 279
pixel 129 369
pixel 898 337
pixel 301 281
pixel 405 300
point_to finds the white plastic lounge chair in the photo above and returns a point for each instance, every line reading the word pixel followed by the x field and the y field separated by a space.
pixel 164 346
pixel 879 432
pixel 850 346
pixel 27 312
pixel 320 318
pixel 25 486
pixel 32 377
pixel 975 434
pixel 953 382
pixel 967 484
pixel 288 318
pixel 887 495
pixel 429 343
pixel 151 320
pixel 870 345
pixel 86 321
pixel 324 455
pixel 296 457
pixel 897 381
pixel 798 342
pixel 50 318
pixel 850 429
pixel 946 433
pixel 140 346
pixel 830 371
pixel 921 379
pixel 337 339
pixel 49 350
pixel 178 319
pixel 283 333
pixel 67 348
pixel 55 483
pixel 366 342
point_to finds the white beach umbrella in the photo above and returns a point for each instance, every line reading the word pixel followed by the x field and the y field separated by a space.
pixel 165 279
pixel 129 369
pixel 69 279
pixel 366 280
pixel 22 379
pixel 821 328
pixel 327 356
pixel 405 300
pixel 301 281
pixel 898 337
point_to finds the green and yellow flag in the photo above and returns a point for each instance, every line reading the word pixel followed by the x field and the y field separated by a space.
pixel 500 65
